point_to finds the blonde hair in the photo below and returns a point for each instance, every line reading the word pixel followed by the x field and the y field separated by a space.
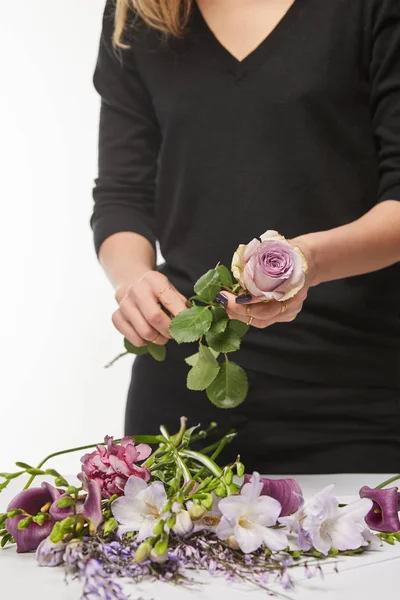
pixel 168 16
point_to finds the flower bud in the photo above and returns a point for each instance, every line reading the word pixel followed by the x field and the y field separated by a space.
pixel 158 558
pixel 240 469
pixel 228 474
pixel 183 525
pixel 142 552
pixel 196 512
pixel 220 491
pixel 24 523
pixel 232 543
pixel 207 502
pixel 158 527
pixel 65 502
pixel 161 547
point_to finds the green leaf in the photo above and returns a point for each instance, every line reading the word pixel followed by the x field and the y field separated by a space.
pixel 208 286
pixel 239 327
pixel 228 341
pixel 192 360
pixel 158 352
pixel 135 349
pixel 225 276
pixel 220 320
pixel 190 324
pixel 230 387
pixel 204 371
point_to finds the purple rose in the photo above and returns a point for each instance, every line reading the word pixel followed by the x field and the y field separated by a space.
pixel 111 465
pixel 287 491
pixel 270 269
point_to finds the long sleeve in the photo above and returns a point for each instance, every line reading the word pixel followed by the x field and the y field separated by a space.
pixel 385 94
pixel 129 141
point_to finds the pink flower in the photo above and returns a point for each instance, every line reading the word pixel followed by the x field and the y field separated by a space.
pixel 111 465
pixel 286 491
pixel 270 269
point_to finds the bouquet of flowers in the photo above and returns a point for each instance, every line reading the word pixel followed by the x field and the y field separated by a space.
pixel 270 268
pixel 158 507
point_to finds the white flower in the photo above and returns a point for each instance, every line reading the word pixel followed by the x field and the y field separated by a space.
pixel 321 524
pixel 183 524
pixel 210 519
pixel 248 518
pixel 140 508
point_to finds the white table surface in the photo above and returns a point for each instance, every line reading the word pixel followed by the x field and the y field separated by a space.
pixel 374 575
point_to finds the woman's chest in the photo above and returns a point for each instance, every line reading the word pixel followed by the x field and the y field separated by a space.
pixel 315 60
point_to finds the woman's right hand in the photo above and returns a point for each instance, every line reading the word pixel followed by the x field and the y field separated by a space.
pixel 139 317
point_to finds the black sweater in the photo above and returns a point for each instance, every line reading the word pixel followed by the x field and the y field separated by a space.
pixel 202 152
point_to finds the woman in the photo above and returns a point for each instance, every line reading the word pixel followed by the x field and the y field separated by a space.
pixel 221 119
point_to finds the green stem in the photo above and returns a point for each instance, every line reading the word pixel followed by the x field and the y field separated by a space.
pixel 187 476
pixel 140 439
pixel 204 460
pixel 387 482
pixel 110 364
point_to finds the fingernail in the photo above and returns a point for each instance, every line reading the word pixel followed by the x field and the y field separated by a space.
pixel 244 299
pixel 221 299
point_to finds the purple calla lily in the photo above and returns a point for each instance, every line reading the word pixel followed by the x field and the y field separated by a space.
pixel 287 491
pixel 384 514
pixel 31 501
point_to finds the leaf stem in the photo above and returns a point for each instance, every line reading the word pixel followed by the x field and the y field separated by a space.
pixel 110 364
pixel 387 482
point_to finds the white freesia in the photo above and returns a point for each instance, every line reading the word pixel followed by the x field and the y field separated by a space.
pixel 248 517
pixel 321 524
pixel 140 508
pixel 183 524
pixel 210 519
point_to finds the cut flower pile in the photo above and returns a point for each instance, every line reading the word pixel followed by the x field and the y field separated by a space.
pixel 155 508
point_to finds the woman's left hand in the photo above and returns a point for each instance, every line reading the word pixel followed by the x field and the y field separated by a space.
pixel 261 314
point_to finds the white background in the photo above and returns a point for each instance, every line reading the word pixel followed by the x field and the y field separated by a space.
pixel 55 302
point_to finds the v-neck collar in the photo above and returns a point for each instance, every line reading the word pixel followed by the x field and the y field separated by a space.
pixel 255 57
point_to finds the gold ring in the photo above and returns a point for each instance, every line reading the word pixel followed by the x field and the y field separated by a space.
pixel 249 322
pixel 167 287
pixel 283 306
pixel 156 338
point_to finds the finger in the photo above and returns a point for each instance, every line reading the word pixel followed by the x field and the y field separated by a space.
pixel 126 329
pixel 259 310
pixel 134 316
pixel 151 311
pixel 169 297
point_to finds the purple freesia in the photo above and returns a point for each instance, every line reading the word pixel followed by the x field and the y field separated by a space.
pixel 287 491
pixel 49 554
pixel 111 465
pixel 384 514
pixel 31 501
